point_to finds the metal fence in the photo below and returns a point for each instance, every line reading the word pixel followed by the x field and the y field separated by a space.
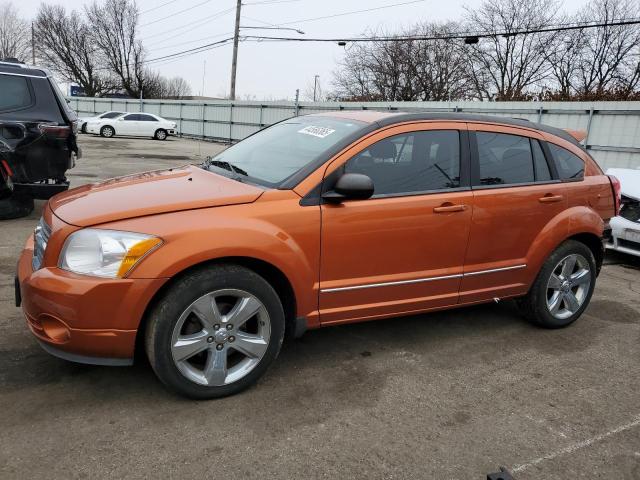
pixel 613 128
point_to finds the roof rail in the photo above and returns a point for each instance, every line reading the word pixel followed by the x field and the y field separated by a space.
pixel 12 62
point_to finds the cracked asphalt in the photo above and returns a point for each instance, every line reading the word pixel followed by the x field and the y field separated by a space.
pixel 448 395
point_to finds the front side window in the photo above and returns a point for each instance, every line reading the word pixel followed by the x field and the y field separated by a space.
pixel 569 165
pixel 411 162
pixel 14 93
pixel 506 159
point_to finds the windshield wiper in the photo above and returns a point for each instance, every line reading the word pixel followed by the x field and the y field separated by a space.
pixel 226 165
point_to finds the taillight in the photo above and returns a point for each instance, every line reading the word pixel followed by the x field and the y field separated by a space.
pixel 617 192
pixel 55 131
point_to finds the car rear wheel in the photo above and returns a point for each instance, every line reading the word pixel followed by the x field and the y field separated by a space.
pixel 160 134
pixel 563 288
pixel 17 205
pixel 215 332
pixel 107 131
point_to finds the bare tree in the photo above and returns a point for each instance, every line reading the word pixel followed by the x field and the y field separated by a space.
pixel 507 66
pixel 404 69
pixel 114 25
pixel 609 57
pixel 66 45
pixel 177 87
pixel 15 41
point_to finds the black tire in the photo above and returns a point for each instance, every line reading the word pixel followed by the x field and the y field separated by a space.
pixel 534 305
pixel 83 129
pixel 160 134
pixel 16 206
pixel 107 131
pixel 165 315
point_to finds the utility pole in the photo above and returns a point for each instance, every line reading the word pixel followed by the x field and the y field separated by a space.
pixel 33 45
pixel 315 85
pixel 234 62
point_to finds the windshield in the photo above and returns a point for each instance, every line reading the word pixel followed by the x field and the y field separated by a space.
pixel 275 153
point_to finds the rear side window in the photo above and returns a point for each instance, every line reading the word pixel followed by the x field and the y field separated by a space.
pixel 14 93
pixel 411 163
pixel 504 159
pixel 541 167
pixel 146 118
pixel 133 117
pixel 569 165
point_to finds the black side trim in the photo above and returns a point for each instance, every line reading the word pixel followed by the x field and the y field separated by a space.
pixel 300 327
pixel 72 357
pixel 550 160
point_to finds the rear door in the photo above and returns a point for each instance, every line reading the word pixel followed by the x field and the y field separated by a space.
pixel 148 125
pixel 402 250
pixel 516 195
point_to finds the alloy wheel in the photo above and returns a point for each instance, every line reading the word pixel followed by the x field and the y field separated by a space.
pixel 221 337
pixel 568 286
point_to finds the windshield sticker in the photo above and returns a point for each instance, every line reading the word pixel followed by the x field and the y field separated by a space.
pixel 320 132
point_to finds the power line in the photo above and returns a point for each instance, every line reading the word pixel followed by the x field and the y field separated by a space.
pixel 175 13
pixel 193 24
pixel 454 36
pixel 157 6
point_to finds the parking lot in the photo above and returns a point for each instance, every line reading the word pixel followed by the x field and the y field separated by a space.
pixel 449 395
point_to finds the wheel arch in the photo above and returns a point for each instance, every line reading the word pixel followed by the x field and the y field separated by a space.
pixel 271 273
pixel 594 243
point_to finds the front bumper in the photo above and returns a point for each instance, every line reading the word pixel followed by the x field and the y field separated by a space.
pixel 625 236
pixel 81 318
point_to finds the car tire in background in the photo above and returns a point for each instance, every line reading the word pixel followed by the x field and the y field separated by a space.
pixel 215 331
pixel 160 134
pixel 83 128
pixel 16 206
pixel 563 288
pixel 107 131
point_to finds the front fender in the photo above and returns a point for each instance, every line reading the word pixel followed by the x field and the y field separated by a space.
pixel 288 241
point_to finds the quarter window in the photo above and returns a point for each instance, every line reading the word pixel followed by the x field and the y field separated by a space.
pixel 412 162
pixel 14 93
pixel 570 166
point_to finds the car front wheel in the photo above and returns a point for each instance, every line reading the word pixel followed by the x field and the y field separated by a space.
pixel 107 131
pixel 563 288
pixel 160 134
pixel 215 332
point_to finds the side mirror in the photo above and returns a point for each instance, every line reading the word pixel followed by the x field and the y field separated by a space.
pixel 350 186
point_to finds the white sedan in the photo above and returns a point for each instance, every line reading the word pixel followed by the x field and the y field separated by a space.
pixel 82 121
pixel 625 228
pixel 133 125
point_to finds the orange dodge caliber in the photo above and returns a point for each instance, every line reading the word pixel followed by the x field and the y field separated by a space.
pixel 317 220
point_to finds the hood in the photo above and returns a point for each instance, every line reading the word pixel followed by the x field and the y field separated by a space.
pixel 150 193
pixel 629 181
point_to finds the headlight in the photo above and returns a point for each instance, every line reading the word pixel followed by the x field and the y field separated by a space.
pixel 105 253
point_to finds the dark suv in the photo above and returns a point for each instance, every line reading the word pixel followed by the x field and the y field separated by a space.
pixel 37 138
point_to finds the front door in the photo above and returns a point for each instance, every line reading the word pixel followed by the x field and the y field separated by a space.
pixel 402 250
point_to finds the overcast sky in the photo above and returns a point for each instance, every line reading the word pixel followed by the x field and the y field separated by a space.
pixel 266 70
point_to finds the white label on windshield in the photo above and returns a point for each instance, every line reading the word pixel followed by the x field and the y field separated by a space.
pixel 319 132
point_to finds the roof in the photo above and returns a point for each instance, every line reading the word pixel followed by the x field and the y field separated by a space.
pixel 21 69
pixel 386 118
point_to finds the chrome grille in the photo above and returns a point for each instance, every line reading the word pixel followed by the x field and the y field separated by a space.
pixel 40 239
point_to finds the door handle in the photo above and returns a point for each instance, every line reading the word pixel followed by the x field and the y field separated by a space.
pixel 448 208
pixel 550 198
